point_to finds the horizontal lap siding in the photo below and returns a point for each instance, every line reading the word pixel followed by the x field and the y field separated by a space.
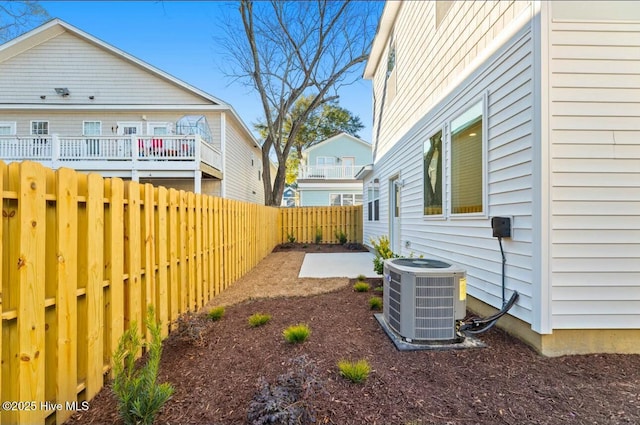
pixel 86 70
pixel 240 178
pixel 595 174
pixel 506 80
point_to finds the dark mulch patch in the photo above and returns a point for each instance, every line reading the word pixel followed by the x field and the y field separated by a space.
pixel 320 247
pixel 504 383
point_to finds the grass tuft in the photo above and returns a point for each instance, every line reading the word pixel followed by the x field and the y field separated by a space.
pixel 258 319
pixel 375 303
pixel 216 313
pixel 361 287
pixel 296 333
pixel 354 371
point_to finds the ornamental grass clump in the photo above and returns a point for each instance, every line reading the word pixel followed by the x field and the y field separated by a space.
pixel 361 287
pixel 216 313
pixel 139 396
pixel 297 333
pixel 258 319
pixel 375 303
pixel 354 371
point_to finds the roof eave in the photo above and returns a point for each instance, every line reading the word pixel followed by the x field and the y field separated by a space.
pixel 387 20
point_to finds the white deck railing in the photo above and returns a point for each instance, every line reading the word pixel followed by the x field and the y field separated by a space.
pixel 325 172
pixel 109 148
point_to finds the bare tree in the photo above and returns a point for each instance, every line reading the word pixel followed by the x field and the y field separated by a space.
pixel 19 16
pixel 289 49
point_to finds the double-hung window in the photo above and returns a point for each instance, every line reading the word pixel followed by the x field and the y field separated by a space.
pixel 467 162
pixel 462 150
pixel 373 201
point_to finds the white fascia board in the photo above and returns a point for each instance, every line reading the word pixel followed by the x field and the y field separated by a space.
pixel 109 107
pixel 387 20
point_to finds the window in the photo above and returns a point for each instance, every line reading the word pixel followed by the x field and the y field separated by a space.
pixel 325 161
pixel 158 128
pixel 92 128
pixel 343 199
pixel 373 201
pixel 467 162
pixel 39 127
pixel 433 175
pixel 390 82
pixel 129 128
pixel 7 128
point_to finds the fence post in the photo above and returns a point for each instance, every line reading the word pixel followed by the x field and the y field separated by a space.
pixel 29 289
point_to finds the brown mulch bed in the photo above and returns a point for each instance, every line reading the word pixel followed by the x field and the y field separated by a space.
pixel 216 378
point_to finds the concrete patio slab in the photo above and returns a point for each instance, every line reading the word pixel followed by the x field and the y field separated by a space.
pixel 344 264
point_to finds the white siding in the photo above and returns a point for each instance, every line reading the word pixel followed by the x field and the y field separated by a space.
pixel 594 120
pixel 431 61
pixel 240 175
pixel 505 79
pixel 86 70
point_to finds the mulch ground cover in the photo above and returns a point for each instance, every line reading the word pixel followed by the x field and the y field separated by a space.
pixel 217 376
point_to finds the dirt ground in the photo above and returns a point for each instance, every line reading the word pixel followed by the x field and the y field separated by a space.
pixel 216 376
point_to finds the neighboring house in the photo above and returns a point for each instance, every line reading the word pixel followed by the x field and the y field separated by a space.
pixel 289 197
pixel 69 99
pixel 522 109
pixel 327 171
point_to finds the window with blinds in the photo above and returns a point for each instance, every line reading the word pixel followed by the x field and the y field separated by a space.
pixel 467 162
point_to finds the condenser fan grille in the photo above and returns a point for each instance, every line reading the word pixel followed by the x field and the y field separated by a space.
pixel 422 263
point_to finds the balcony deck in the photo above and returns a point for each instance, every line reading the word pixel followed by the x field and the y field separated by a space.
pixel 114 153
pixel 328 172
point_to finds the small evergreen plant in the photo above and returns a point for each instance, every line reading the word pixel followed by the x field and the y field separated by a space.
pixel 375 303
pixel 296 333
pixel 216 313
pixel 318 235
pixel 139 396
pixel 258 319
pixel 341 236
pixel 354 371
pixel 361 287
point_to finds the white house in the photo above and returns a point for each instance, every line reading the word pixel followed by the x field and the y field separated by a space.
pixel 68 99
pixel 327 174
pixel 528 110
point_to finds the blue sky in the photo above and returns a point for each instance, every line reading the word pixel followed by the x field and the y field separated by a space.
pixel 178 38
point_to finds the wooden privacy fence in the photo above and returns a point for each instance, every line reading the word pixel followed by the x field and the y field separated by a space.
pixel 304 223
pixel 82 257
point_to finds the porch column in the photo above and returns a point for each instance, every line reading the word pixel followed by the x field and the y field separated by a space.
pixel 197 181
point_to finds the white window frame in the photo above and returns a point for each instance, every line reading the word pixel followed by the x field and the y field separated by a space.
pixel 373 196
pixel 122 124
pixel 11 125
pixel 445 170
pixel 485 207
pixel 84 129
pixel 342 196
pixel 32 122
pixel 152 125
pixel 324 158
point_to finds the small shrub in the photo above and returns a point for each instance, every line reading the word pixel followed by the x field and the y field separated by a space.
pixel 139 397
pixel 341 236
pixel 361 287
pixel 216 313
pixel 354 371
pixel 383 252
pixel 291 238
pixel 190 329
pixel 378 289
pixel 318 235
pixel 258 319
pixel 296 333
pixel 361 277
pixel 286 401
pixel 375 303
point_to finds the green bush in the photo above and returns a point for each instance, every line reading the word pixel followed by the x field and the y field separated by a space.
pixel 361 287
pixel 291 238
pixel 139 397
pixel 258 319
pixel 216 313
pixel 361 277
pixel 383 252
pixel 318 235
pixel 341 236
pixel 354 371
pixel 375 303
pixel 296 333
